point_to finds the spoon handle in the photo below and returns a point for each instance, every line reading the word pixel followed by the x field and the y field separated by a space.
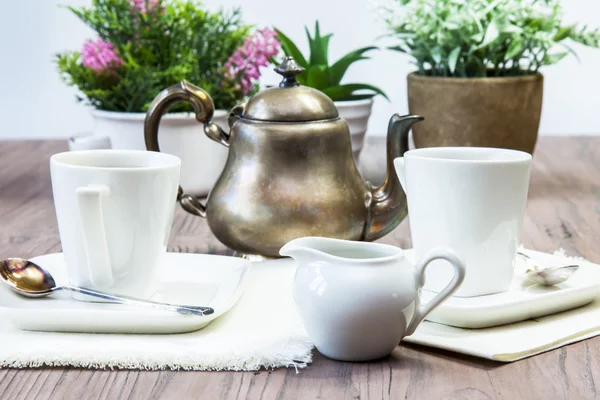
pixel 195 310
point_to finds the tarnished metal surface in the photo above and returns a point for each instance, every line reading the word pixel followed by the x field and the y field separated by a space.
pixel 288 178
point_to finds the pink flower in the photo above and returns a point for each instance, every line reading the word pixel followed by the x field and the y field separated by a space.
pixel 99 55
pixel 144 5
pixel 246 62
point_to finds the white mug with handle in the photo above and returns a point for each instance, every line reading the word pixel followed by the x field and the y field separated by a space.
pixel 114 210
pixel 89 142
pixel 471 199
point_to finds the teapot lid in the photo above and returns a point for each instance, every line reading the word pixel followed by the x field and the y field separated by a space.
pixel 290 102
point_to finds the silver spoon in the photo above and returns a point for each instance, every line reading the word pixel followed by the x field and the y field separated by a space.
pixel 29 279
pixel 548 276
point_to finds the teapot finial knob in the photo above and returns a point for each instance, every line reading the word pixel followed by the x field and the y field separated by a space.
pixel 289 68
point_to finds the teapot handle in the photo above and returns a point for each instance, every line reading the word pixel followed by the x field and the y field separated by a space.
pixel 204 109
pixel 438 253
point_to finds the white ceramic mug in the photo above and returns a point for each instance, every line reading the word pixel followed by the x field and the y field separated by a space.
pixel 114 211
pixel 87 142
pixel 471 199
pixel 358 299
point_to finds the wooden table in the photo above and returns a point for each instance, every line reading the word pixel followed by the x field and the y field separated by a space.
pixel 563 211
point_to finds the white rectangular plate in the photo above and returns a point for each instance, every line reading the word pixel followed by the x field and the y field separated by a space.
pixel 191 279
pixel 521 302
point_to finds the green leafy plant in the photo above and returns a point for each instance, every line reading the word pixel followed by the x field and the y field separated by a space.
pixel 479 38
pixel 145 46
pixel 327 78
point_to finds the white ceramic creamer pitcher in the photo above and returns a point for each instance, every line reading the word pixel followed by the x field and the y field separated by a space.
pixel 359 299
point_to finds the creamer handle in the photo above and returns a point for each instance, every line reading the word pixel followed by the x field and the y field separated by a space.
pixel 437 253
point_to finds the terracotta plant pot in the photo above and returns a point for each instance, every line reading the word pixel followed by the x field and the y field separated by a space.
pixel 484 112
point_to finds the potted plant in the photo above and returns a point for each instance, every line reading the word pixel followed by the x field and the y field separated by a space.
pixel 353 100
pixel 477 81
pixel 144 46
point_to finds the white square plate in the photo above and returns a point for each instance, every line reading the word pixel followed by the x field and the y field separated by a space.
pixel 192 279
pixel 521 301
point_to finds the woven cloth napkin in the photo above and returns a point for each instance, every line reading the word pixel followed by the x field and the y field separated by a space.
pixel 516 341
pixel 512 342
pixel 262 331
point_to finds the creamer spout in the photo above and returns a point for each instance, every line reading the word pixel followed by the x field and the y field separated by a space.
pixel 302 248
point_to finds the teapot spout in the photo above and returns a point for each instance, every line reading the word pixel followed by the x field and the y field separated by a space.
pixel 388 202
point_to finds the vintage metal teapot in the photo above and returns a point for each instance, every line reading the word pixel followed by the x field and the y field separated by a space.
pixel 290 171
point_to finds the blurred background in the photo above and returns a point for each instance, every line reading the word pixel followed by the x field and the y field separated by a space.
pixel 36 104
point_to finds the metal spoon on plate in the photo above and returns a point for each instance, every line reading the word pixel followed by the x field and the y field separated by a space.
pixel 29 279
pixel 548 276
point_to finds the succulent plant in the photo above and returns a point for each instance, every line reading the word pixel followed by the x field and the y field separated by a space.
pixel 319 74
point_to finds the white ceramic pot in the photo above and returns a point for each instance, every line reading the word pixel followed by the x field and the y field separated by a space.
pixel 202 159
pixel 356 113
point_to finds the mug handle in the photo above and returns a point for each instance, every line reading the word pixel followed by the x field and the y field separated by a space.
pixel 437 253
pixel 94 235
pixel 204 109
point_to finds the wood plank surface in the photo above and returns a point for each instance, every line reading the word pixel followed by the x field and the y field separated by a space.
pixel 563 211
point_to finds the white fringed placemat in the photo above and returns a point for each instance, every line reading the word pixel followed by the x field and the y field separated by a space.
pixel 262 331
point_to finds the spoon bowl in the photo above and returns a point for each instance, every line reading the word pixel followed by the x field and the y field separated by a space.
pixel 552 275
pixel 26 278
pixel 29 279
pixel 548 276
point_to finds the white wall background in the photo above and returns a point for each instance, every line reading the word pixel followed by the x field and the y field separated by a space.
pixel 34 103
